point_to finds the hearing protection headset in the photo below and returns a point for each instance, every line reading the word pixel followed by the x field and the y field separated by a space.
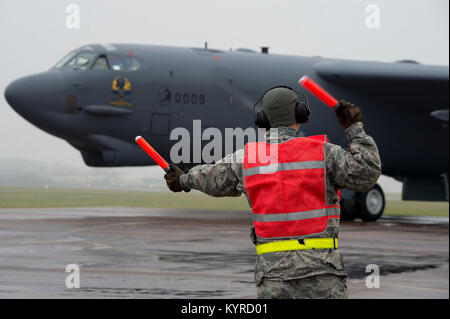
pixel 302 110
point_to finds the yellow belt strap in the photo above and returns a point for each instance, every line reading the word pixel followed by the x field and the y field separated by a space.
pixel 294 244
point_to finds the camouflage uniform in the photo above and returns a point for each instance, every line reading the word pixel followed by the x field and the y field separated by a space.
pixel 301 273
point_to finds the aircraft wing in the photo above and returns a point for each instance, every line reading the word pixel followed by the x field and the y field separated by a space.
pixel 342 71
pixel 402 84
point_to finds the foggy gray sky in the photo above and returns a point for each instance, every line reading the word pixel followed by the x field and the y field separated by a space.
pixel 34 37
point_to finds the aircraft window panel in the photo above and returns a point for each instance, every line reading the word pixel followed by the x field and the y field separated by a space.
pixel 135 65
pixel 65 59
pixel 80 61
pixel 123 63
pixel 101 64
pixel 117 63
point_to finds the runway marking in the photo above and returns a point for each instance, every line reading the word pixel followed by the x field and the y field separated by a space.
pixel 98 244
pixel 78 230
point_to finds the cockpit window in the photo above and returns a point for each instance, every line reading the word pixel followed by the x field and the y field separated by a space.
pixel 64 60
pixel 123 62
pixel 80 61
pixel 76 60
pixel 101 63
pixel 134 64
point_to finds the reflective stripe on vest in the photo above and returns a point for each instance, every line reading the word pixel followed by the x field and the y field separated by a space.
pixel 288 194
pixel 272 168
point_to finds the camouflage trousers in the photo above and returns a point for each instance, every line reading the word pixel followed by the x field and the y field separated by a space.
pixel 315 287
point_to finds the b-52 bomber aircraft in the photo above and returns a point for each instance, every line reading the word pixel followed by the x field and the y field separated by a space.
pixel 99 97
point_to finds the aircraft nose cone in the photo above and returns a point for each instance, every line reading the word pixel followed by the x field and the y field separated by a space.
pixel 12 92
pixel 35 94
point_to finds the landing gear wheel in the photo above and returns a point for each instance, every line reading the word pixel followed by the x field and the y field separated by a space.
pixel 370 205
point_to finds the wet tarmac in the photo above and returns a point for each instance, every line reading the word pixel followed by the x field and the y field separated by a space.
pixel 161 253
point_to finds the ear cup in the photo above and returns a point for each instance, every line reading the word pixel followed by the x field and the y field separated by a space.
pixel 261 120
pixel 302 112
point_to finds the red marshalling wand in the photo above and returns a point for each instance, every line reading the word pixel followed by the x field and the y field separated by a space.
pixel 318 91
pixel 153 154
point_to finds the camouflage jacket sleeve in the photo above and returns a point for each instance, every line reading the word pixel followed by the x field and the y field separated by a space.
pixel 223 178
pixel 358 167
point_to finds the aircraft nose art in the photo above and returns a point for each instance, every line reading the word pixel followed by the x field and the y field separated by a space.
pixel 35 94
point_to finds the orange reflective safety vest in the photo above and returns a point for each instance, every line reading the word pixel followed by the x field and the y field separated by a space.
pixel 288 193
